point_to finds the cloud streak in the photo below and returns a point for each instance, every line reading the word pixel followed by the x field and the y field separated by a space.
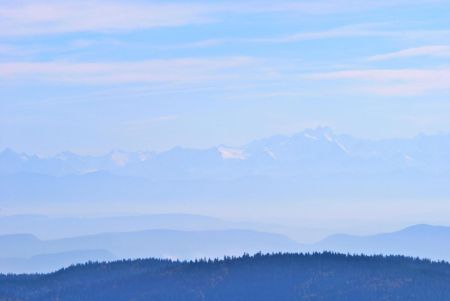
pixel 189 72
pixel 169 70
pixel 396 82
pixel 50 17
pixel 439 51
pixel 355 31
pixel 36 17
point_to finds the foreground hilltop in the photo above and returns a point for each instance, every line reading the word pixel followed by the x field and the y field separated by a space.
pixel 322 277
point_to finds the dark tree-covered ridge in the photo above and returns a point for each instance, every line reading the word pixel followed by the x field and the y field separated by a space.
pixel 324 276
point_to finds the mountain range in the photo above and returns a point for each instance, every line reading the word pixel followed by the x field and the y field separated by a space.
pixel 48 227
pixel 282 167
pixel 21 253
pixel 312 152
pixel 423 241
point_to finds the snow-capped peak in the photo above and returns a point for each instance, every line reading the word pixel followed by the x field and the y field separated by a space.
pixel 119 158
pixel 310 136
pixel 231 153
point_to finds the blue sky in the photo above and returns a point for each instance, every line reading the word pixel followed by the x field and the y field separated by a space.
pixel 91 76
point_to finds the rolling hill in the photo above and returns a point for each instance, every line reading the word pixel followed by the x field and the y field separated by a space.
pixel 424 241
pixel 283 277
pixel 48 255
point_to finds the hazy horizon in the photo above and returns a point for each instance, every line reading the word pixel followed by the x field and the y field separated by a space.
pixel 333 204
pixel 285 121
pixel 290 134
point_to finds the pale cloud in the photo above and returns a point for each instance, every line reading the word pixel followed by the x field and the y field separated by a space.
pixel 197 44
pixel 200 72
pixel 320 7
pixel 440 51
pixel 384 74
pixel 157 71
pixel 47 17
pixel 399 82
pixel 34 17
pixel 355 31
pixel 316 7
pixel 341 32
pixel 375 30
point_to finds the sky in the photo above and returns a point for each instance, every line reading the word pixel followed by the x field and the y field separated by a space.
pixel 91 76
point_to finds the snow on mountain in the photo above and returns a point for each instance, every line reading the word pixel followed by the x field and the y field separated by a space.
pixel 313 151
pixel 231 153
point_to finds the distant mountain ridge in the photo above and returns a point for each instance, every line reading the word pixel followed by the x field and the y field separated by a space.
pixel 280 167
pixel 424 241
pixel 323 150
pixel 27 253
pixel 45 263
pixel 50 228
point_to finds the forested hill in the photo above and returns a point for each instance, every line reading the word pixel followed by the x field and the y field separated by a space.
pixel 278 277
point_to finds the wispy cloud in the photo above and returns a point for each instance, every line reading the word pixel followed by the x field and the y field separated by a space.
pixel 433 51
pixel 355 31
pixel 196 44
pixel 47 17
pixel 21 17
pixel 371 30
pixel 401 82
pixel 169 70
